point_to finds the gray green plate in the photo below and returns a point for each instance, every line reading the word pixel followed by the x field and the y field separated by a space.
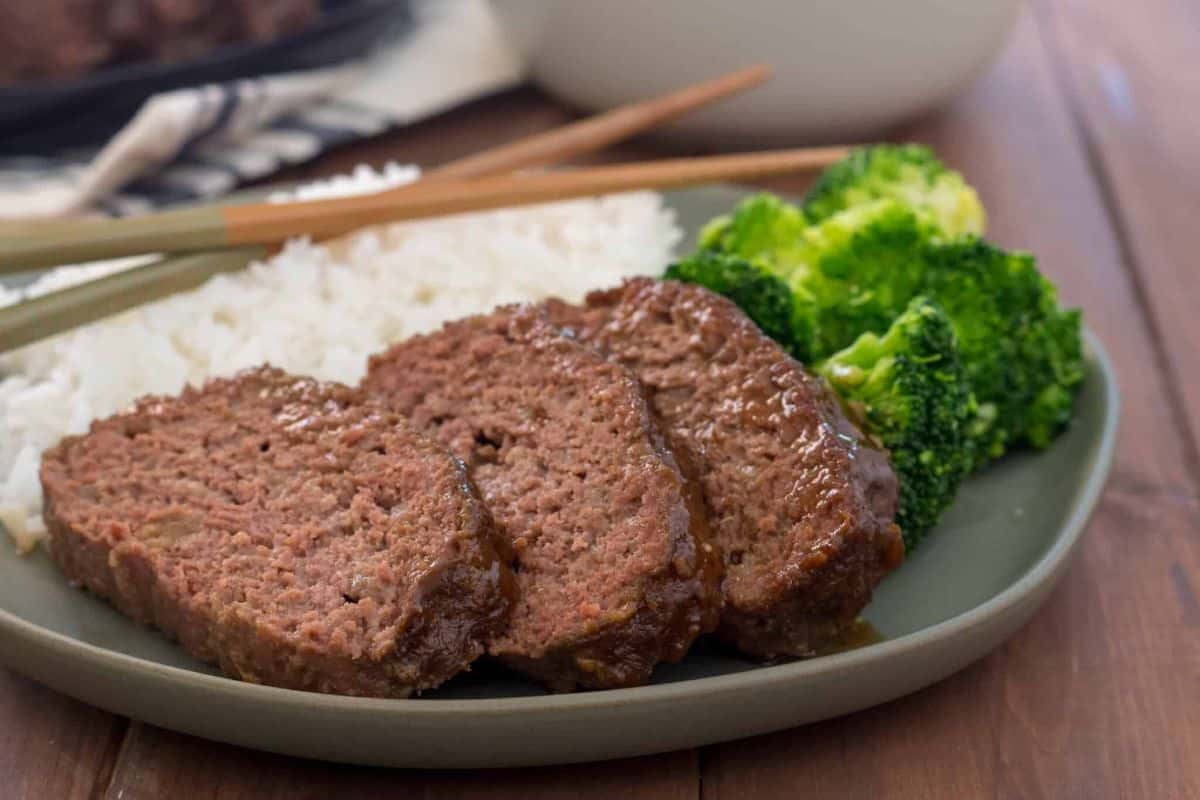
pixel 972 584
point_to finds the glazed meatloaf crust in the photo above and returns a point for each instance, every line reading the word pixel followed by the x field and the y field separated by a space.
pixel 801 507
pixel 286 530
pixel 613 565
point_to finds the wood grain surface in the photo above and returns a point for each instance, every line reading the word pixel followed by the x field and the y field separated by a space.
pixel 1135 90
pixel 52 746
pixel 1099 696
pixel 157 763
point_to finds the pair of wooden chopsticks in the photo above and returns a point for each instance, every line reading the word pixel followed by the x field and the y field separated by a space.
pixel 240 234
pixel 450 189
pixel 216 228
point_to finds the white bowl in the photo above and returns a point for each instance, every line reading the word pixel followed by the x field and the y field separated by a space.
pixel 844 69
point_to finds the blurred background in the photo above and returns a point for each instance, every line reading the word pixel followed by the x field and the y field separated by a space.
pixel 121 107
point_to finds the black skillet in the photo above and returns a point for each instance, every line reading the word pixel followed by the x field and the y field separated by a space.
pixel 47 116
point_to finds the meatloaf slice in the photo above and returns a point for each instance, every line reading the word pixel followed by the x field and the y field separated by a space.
pixel 613 566
pixel 800 505
pixel 286 530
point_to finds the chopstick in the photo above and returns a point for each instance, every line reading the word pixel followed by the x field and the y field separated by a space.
pixel 598 132
pixel 58 311
pixel 52 242
pixel 254 228
pixel 591 134
pixel 268 224
pixel 61 310
pixel 195 229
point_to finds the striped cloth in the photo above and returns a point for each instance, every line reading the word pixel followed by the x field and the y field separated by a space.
pixel 198 144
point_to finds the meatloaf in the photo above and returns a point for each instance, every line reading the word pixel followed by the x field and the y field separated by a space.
pixel 800 504
pixel 613 565
pixel 285 529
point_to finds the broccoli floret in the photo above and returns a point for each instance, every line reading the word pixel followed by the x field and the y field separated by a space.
pixel 1060 343
pixel 855 272
pixel 1022 353
pixel 764 297
pixel 762 223
pixel 909 173
pixel 850 274
pixel 908 390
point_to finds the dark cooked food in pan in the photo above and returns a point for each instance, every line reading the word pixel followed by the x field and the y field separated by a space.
pixel 49 39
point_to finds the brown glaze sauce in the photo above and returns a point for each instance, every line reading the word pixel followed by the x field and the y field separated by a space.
pixel 859 634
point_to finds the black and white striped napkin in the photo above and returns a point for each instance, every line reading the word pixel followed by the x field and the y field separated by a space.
pixel 200 143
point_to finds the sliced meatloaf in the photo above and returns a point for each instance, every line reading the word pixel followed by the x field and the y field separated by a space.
pixel 285 529
pixel 800 505
pixel 613 567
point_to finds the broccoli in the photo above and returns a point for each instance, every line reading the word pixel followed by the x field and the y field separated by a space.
pixel 762 223
pixel 1022 353
pixel 1060 336
pixel 907 389
pixel 764 297
pixel 908 173
pixel 856 271
pixel 850 274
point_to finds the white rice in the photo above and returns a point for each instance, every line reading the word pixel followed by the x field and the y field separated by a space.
pixel 311 310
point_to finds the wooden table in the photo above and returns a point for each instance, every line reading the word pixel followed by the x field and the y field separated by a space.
pixel 1082 140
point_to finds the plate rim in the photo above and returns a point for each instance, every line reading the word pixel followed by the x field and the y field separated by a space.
pixel 1046 569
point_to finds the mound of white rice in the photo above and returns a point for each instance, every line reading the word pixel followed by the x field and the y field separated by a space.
pixel 311 310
